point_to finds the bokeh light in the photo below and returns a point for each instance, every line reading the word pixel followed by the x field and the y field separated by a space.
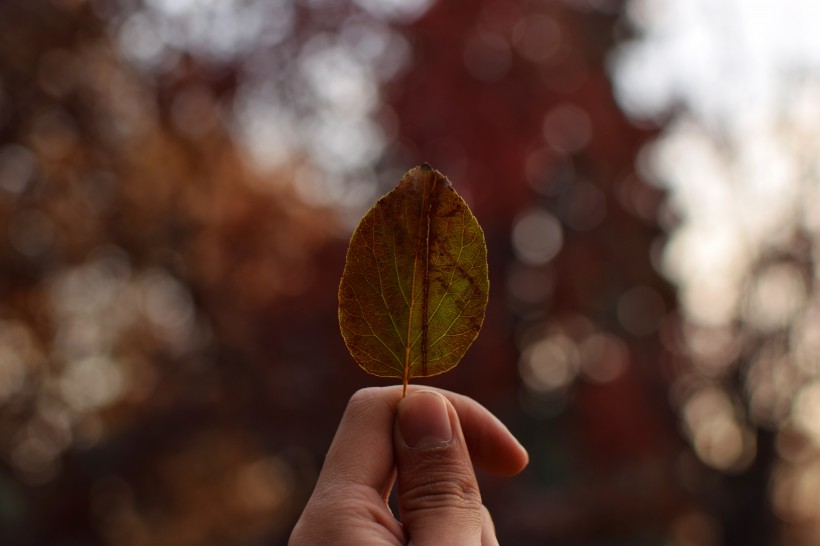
pixel 537 237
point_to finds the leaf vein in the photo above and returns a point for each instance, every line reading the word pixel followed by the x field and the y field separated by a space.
pixel 381 285
pixel 367 322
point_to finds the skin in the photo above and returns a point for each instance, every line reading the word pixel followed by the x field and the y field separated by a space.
pixel 428 443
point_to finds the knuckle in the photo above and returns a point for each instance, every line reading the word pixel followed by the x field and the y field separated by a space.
pixel 362 396
pixel 456 489
pixel 365 401
pixel 372 395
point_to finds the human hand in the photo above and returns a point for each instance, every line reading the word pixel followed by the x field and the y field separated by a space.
pixel 426 441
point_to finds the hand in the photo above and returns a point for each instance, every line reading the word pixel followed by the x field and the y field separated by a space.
pixel 426 441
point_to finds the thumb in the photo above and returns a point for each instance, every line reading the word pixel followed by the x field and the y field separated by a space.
pixel 438 496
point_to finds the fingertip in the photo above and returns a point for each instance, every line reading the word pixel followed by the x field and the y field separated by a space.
pixel 424 420
pixel 494 448
pixel 522 459
pixel 507 461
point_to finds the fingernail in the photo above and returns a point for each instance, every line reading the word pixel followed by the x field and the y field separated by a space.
pixel 423 419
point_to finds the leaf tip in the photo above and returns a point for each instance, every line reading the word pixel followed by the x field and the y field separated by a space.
pixel 427 169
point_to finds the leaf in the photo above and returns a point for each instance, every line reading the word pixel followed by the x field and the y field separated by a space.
pixel 414 288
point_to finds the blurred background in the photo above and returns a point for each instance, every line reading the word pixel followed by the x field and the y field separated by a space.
pixel 179 180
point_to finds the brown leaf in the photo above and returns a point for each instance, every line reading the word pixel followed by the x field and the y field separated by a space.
pixel 415 287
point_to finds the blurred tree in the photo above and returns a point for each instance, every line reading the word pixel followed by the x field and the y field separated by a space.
pixel 141 261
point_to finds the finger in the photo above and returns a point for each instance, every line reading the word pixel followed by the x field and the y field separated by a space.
pixel 439 500
pixel 358 473
pixel 492 447
pixel 361 452
pixel 488 537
